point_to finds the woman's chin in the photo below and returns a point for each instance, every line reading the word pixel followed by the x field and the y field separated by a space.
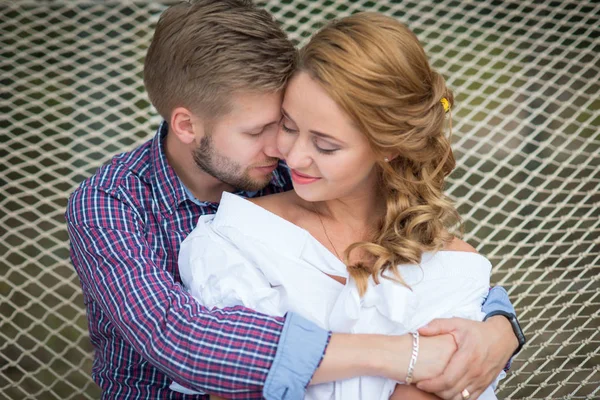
pixel 307 194
pixel 313 195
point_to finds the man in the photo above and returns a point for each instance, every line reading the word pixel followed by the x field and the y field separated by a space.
pixel 216 71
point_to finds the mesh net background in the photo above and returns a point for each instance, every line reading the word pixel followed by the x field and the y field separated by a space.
pixel 526 136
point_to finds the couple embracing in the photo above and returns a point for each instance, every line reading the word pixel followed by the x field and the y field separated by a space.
pixel 285 234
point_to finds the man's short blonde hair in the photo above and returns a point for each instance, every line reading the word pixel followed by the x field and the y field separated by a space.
pixel 205 50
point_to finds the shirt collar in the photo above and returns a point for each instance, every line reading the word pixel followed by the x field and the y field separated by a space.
pixel 166 185
pixel 190 196
pixel 171 190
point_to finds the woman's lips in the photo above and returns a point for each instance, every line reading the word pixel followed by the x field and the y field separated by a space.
pixel 303 179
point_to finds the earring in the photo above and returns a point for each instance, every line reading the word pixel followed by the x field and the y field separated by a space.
pixel 386 159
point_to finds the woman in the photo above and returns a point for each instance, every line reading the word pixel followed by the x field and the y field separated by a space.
pixel 362 243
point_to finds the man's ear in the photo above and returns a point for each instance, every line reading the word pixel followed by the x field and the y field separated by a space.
pixel 185 126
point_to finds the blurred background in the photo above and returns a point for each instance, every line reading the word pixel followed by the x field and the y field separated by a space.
pixel 526 76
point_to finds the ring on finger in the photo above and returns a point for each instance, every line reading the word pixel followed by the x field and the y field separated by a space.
pixel 465 394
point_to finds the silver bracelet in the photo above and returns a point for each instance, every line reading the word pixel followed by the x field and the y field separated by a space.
pixel 413 358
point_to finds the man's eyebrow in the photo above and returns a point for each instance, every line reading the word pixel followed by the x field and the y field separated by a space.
pixel 261 126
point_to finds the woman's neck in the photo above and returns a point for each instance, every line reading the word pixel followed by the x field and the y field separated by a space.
pixel 360 213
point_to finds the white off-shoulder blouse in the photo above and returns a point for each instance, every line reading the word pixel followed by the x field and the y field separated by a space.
pixel 246 255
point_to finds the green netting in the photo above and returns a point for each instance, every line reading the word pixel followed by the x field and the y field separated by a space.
pixel 526 75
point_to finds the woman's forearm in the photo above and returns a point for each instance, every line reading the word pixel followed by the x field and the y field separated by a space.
pixel 350 355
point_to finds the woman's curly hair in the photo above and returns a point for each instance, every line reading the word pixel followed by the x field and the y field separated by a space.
pixel 376 70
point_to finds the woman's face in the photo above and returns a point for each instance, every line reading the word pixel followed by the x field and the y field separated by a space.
pixel 329 157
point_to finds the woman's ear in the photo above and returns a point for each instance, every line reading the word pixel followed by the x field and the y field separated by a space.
pixel 185 126
pixel 387 157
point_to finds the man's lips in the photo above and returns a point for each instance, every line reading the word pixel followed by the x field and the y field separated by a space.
pixel 267 168
pixel 303 179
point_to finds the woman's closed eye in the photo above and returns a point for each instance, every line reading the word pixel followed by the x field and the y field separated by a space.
pixel 322 146
pixel 325 147
pixel 287 129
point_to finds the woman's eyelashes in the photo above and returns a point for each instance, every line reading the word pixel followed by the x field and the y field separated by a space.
pixel 286 129
pixel 320 149
pixel 323 150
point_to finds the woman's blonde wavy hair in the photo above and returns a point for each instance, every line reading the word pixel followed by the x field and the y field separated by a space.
pixel 376 70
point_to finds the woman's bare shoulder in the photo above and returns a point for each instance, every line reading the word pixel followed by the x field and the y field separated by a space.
pixel 457 244
pixel 282 204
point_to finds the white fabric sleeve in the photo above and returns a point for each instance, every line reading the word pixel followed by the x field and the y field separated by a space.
pixel 218 275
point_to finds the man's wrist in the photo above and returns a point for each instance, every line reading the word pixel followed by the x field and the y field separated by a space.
pixel 514 323
pixel 507 344
pixel 501 325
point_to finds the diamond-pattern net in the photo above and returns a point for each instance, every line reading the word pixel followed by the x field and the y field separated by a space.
pixel 526 76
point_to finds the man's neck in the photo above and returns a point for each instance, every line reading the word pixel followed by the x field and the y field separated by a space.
pixel 203 186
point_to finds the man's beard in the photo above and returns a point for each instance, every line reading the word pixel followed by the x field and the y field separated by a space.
pixel 225 169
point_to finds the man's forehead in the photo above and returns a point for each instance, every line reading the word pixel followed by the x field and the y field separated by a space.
pixel 255 110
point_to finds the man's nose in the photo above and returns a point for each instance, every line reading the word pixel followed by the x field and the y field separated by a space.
pixel 270 144
pixel 272 151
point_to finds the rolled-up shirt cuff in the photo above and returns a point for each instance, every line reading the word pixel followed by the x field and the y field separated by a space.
pixel 299 353
pixel 497 300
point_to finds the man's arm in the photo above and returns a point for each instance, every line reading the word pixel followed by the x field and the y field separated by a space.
pixel 484 349
pixel 231 352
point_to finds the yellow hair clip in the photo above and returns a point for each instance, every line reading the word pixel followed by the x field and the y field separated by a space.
pixel 445 104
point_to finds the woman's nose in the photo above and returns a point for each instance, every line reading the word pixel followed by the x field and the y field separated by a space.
pixel 298 156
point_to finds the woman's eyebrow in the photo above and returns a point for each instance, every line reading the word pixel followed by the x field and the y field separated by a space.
pixel 317 133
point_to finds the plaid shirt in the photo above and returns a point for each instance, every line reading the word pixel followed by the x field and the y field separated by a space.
pixel 126 224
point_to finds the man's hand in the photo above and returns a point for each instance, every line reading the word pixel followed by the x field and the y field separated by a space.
pixel 484 348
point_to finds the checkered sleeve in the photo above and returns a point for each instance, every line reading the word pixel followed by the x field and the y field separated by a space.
pixel 227 352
